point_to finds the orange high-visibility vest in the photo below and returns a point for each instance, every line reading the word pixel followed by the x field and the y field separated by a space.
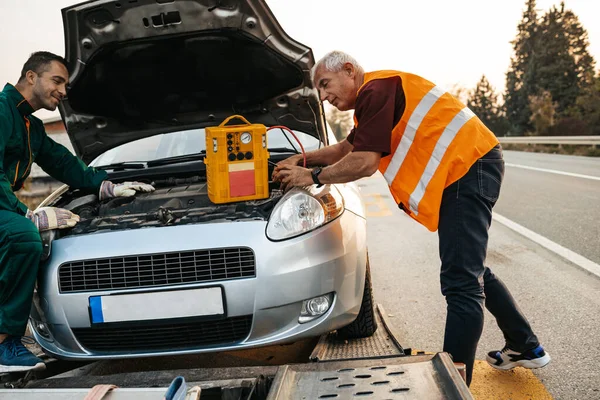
pixel 433 145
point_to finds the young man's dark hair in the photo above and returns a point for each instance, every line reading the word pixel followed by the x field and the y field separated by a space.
pixel 38 62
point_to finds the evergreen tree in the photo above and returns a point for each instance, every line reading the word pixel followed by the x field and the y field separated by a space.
pixel 551 62
pixel 578 48
pixel 483 101
pixel 521 78
pixel 589 103
pixel 543 112
pixel 584 64
pixel 557 67
pixel 516 106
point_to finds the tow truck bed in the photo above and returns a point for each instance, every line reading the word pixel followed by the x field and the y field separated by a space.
pixel 376 367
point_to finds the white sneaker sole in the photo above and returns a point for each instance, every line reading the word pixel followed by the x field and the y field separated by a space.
pixel 529 364
pixel 4 369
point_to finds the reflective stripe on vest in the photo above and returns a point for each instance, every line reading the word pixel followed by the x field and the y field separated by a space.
pixel 425 156
pixel 438 153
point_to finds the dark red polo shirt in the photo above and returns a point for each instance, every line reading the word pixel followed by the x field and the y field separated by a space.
pixel 379 107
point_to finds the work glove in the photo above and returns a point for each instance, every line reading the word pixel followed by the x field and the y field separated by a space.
pixel 109 190
pixel 48 218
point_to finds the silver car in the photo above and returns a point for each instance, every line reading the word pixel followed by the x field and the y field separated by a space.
pixel 170 272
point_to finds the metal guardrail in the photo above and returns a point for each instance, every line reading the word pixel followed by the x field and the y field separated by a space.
pixel 581 140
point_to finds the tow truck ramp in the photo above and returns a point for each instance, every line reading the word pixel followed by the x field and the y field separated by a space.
pixel 372 368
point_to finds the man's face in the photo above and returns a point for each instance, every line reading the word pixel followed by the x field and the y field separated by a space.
pixel 338 88
pixel 50 86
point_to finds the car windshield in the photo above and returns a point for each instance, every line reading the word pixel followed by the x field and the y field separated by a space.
pixel 189 142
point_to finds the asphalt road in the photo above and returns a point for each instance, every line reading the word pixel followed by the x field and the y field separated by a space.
pixel 561 300
pixel 563 208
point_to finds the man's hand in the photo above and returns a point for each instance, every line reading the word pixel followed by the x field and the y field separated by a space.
pixel 291 176
pixel 290 162
pixel 48 218
pixel 109 190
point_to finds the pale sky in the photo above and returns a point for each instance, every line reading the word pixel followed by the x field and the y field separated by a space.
pixel 447 42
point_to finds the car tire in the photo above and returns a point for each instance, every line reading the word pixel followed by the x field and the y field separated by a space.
pixel 365 323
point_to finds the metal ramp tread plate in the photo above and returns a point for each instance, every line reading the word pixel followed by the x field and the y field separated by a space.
pixel 415 377
pixel 382 344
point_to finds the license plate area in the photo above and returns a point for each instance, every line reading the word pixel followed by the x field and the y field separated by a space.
pixel 207 302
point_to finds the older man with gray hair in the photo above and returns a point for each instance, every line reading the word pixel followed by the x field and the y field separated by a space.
pixel 444 168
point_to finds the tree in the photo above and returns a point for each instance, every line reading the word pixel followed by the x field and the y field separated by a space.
pixel 584 62
pixel 341 122
pixel 578 48
pixel 551 65
pixel 557 67
pixel 521 77
pixel 543 111
pixel 483 101
pixel 589 103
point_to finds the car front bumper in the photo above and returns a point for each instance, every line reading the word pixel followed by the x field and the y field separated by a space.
pixel 331 259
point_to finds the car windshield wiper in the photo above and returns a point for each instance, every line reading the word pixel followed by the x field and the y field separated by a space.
pixel 124 165
pixel 177 159
pixel 283 150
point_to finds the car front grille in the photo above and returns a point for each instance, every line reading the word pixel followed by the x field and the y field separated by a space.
pixel 176 336
pixel 162 269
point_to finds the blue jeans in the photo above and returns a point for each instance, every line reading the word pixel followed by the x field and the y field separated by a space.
pixel 467 284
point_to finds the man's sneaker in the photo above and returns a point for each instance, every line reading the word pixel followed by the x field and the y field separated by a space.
pixel 14 357
pixel 507 359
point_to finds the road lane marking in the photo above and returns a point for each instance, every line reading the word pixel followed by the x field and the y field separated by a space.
pixel 375 200
pixel 570 255
pixel 554 171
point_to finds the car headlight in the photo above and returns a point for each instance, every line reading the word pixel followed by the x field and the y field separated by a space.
pixel 302 210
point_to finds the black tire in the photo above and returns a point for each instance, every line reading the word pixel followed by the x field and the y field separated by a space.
pixel 365 323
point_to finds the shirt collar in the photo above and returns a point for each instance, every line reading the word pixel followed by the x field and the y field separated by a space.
pixel 18 100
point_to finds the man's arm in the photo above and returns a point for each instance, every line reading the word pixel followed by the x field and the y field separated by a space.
pixel 353 166
pixel 326 156
pixel 62 165
pixel 350 168
pixel 379 106
pixel 8 200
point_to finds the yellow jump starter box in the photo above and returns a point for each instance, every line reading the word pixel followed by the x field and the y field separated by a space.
pixel 237 162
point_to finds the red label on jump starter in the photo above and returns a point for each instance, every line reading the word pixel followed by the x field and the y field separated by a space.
pixel 241 180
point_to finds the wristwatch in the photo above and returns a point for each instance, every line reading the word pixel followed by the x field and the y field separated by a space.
pixel 315 176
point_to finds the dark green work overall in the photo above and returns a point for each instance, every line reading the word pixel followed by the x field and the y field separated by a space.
pixel 23 141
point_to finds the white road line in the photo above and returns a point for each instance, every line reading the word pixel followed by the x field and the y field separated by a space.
pixel 571 256
pixel 554 171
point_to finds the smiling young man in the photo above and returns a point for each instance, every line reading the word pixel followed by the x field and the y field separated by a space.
pixel 444 168
pixel 23 141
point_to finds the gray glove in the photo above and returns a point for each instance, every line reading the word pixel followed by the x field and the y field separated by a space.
pixel 109 190
pixel 48 218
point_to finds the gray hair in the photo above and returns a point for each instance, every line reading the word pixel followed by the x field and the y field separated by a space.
pixel 334 61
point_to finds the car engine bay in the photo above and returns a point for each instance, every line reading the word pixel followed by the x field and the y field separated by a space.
pixel 176 201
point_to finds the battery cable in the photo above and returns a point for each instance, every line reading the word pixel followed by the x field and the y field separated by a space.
pixel 295 137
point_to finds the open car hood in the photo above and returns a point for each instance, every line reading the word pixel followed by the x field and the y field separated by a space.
pixel 143 67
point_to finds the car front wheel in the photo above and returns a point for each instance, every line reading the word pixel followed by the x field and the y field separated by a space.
pixel 365 323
